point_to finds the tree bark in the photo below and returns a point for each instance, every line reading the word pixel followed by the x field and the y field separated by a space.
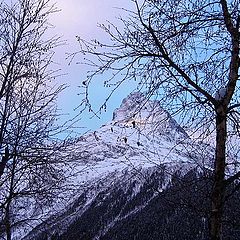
pixel 218 191
pixel 8 222
pixel 4 161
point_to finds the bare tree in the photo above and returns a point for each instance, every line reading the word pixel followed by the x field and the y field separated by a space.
pixel 186 53
pixel 32 172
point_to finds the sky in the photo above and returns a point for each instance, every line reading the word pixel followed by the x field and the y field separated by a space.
pixel 81 17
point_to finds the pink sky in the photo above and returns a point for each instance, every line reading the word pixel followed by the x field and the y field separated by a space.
pixel 82 16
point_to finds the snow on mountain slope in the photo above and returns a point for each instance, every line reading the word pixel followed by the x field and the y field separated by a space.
pixel 142 137
pixel 138 143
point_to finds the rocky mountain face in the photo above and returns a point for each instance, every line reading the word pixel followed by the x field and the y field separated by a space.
pixel 140 177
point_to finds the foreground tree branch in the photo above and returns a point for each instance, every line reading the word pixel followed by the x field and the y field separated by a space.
pixel 186 53
pixel 32 172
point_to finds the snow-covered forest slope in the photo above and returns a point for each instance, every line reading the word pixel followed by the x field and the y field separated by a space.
pixel 140 177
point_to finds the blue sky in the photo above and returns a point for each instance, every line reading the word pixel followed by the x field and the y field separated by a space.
pixel 80 17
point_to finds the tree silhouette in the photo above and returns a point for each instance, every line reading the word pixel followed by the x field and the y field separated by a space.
pixel 187 54
pixel 32 173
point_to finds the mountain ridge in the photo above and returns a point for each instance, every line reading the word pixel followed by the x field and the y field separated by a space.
pixel 126 165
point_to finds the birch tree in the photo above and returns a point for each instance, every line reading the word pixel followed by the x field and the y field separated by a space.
pixel 32 173
pixel 186 53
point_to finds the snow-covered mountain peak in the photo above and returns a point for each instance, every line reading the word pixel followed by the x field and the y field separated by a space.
pixel 121 167
pixel 137 111
pixel 131 106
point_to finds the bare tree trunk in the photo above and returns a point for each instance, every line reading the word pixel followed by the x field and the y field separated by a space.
pixel 8 222
pixel 218 190
pixel 3 165
pixel 8 227
pixel 4 161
